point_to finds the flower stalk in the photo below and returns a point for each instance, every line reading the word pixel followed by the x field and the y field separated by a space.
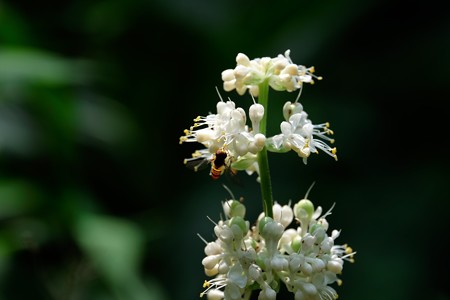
pixel 263 161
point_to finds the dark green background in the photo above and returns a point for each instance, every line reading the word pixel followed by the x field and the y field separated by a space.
pixel 95 202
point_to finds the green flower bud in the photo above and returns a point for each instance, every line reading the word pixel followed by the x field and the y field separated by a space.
pixel 318 231
pixel 304 210
pixel 240 222
pixel 234 208
pixel 270 230
pixel 263 223
pixel 296 244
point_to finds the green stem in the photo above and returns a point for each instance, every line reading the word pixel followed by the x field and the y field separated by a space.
pixel 247 294
pixel 263 161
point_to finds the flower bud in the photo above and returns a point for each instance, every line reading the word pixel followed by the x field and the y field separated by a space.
pixel 279 263
pixel 283 214
pixel 309 288
pixel 260 140
pixel 263 222
pixel 290 108
pixel 254 272
pixel 228 86
pixel 296 243
pixel 223 268
pixel 317 231
pixel 232 292
pixel 240 223
pixel 211 272
pixel 215 295
pixel 291 69
pixel 210 261
pixel 335 266
pixel 267 294
pixel 317 264
pixel 256 113
pixel 237 275
pixel 228 75
pixel 234 208
pixel 306 268
pixel 242 59
pixel 212 248
pixel 224 233
pixel 295 261
pixel 304 210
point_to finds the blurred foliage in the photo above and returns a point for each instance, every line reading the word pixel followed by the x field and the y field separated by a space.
pixel 95 202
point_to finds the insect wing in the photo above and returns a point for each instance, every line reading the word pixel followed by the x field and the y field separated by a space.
pixel 233 176
pixel 197 164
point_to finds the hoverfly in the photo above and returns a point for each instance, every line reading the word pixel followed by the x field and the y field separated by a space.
pixel 220 163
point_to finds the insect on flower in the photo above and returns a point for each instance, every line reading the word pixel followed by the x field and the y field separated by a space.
pixel 220 163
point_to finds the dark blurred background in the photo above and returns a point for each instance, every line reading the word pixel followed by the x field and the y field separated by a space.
pixel 95 202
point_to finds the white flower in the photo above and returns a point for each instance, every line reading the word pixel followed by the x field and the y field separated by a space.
pixel 280 72
pixel 281 214
pixel 300 135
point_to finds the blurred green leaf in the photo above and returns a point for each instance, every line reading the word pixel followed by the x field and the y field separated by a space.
pixel 115 248
pixel 21 65
pixel 105 120
pixel 113 244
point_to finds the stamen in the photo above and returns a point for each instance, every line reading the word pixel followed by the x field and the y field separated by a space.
pixel 218 93
pixel 229 191
pixel 205 241
pixel 329 211
pixel 307 192
pixel 212 221
pixel 299 91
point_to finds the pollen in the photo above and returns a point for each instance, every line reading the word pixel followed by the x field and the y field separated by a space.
pixel 206 284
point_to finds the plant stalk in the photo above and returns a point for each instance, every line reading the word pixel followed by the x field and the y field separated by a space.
pixel 263 161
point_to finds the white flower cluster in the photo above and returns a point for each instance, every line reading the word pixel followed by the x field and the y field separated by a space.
pixel 227 131
pixel 298 133
pixel 280 72
pixel 304 258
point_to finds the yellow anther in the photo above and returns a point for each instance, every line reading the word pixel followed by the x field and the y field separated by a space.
pixel 319 77
pixel 348 249
pixel 333 151
pixel 197 119
pixel 339 282
pixel 196 154
pixel 206 284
